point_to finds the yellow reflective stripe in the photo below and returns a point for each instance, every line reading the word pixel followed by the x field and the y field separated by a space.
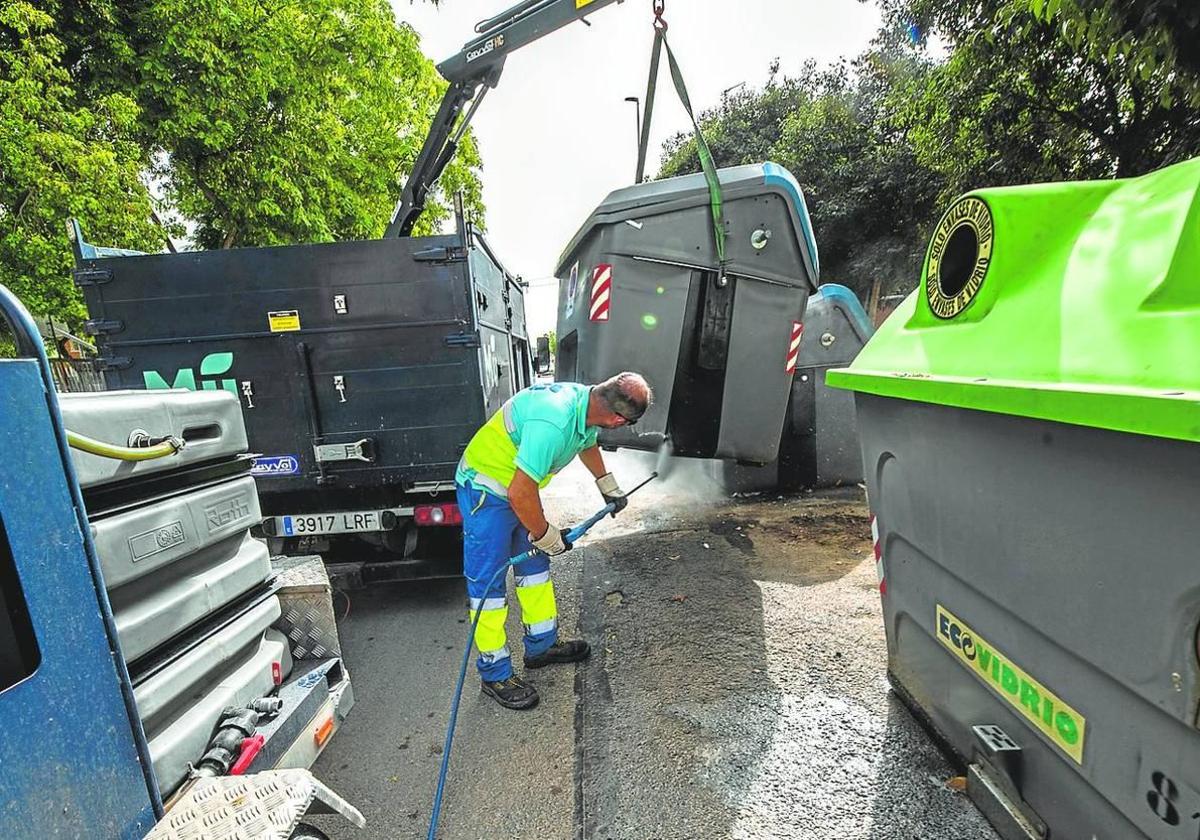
pixel 482 482
pixel 489 635
pixel 537 602
pixel 491 454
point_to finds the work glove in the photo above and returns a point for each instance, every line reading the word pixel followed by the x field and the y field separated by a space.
pixel 612 493
pixel 553 542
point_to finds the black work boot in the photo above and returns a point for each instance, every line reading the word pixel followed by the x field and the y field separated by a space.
pixel 575 650
pixel 512 693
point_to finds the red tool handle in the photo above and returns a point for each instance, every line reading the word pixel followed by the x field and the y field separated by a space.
pixel 250 750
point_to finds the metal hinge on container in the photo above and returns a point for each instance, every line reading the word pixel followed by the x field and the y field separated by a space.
pixel 362 450
pixel 441 254
pixel 463 340
pixel 91 276
pixel 113 362
pixel 103 326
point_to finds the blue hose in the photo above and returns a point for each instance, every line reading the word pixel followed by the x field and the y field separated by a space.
pixel 573 536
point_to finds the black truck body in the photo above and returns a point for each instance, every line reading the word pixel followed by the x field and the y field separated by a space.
pixel 363 369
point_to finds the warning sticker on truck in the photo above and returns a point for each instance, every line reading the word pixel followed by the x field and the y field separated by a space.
pixel 1039 705
pixel 286 321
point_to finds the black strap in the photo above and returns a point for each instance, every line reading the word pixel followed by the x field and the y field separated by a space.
pixel 705 154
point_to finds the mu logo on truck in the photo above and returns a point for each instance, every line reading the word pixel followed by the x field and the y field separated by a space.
pixel 212 365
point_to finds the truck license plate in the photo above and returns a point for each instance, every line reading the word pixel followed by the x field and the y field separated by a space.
pixel 346 522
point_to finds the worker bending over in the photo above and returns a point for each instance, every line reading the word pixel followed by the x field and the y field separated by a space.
pixel 532 437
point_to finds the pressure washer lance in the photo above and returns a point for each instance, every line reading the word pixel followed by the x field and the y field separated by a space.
pixel 573 536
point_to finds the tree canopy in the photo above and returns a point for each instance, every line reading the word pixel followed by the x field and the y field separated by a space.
pixel 955 95
pixel 60 156
pixel 239 122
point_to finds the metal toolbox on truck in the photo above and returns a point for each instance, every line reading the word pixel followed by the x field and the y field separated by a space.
pixel 641 288
pixel 181 702
pixel 1031 442
pixel 207 423
pixel 150 611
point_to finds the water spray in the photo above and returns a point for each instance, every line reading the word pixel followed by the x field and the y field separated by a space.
pixel 664 464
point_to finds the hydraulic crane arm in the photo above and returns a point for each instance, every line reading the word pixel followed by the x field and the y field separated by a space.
pixel 475 69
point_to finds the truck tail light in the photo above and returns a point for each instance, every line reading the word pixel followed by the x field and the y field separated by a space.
pixel 437 515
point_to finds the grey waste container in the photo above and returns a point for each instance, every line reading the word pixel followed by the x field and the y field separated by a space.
pixel 819 445
pixel 640 289
pixel 1030 427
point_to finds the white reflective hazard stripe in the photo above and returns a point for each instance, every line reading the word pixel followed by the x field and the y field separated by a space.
pixel 599 302
pixel 878 550
pixel 533 580
pixel 483 482
pixel 489 603
pixel 541 627
pixel 793 353
pixel 489 656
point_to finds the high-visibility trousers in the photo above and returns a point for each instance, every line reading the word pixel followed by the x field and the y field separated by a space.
pixel 491 535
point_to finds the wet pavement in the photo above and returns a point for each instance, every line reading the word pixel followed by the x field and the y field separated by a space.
pixel 736 690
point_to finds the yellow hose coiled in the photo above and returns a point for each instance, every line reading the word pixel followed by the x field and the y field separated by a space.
pixel 123 453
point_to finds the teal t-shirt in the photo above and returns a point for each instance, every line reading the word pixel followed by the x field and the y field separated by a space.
pixel 539 431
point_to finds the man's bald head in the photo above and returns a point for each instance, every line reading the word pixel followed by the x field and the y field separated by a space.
pixel 625 397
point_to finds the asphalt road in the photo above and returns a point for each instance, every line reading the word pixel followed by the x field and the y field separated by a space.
pixel 737 689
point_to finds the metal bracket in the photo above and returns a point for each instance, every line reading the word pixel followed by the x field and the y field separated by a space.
pixel 362 450
pixel 463 340
pixel 113 362
pixel 102 326
pixel 339 385
pixel 92 276
pixel 441 254
pixel 1002 751
pixel 431 487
